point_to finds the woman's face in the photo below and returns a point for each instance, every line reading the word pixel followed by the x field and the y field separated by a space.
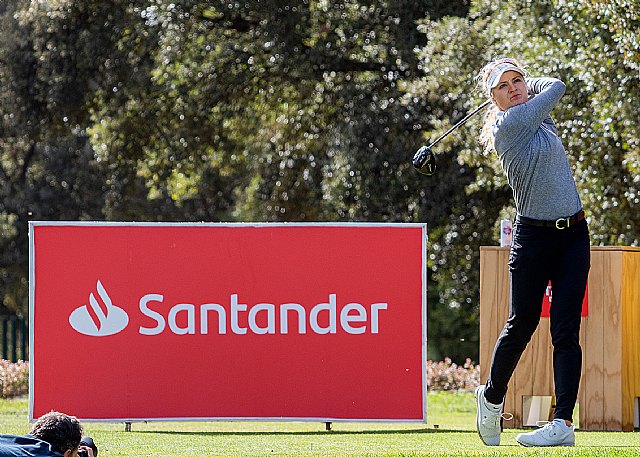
pixel 510 91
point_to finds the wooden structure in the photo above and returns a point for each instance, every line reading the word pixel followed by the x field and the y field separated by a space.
pixel 610 339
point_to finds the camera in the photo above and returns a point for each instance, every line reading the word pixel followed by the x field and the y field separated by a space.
pixel 88 442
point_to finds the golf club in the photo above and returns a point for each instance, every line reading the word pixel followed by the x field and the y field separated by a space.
pixel 424 160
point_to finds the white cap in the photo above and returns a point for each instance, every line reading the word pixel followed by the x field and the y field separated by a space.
pixel 496 73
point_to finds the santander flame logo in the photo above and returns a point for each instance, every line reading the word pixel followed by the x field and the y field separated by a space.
pixel 95 320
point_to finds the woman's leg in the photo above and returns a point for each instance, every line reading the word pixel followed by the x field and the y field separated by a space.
pixel 529 279
pixel 569 280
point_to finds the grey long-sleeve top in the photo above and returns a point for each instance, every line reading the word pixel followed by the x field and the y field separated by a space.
pixel 533 157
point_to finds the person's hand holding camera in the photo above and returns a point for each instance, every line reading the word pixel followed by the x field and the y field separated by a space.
pixel 85 451
pixel 87 448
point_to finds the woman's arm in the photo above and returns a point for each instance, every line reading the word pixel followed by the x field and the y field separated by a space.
pixel 538 85
pixel 546 94
pixel 528 116
pixel 515 126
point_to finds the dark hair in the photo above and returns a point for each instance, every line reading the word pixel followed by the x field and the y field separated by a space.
pixel 62 432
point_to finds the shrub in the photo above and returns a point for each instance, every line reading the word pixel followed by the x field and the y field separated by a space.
pixel 14 378
pixel 446 375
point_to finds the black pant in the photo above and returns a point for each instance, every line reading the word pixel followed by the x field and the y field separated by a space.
pixel 540 254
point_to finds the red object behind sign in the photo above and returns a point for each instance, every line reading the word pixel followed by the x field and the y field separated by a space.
pixel 548 299
pixel 228 321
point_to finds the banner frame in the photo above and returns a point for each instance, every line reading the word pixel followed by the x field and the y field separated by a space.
pixel 32 283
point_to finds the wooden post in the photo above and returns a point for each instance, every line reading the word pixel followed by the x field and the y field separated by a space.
pixel 630 335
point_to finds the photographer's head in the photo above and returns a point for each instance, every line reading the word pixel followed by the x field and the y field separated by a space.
pixel 62 432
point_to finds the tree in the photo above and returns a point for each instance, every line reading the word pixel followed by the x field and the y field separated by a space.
pixel 47 165
pixel 303 111
pixel 224 111
pixel 598 118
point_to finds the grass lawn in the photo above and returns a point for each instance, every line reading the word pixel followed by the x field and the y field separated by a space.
pixel 450 431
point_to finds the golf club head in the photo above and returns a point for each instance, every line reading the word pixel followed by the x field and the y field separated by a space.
pixel 424 160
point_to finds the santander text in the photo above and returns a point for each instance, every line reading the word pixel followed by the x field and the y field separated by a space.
pixel 354 318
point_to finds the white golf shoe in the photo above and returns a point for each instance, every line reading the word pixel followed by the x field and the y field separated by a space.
pixel 487 419
pixel 555 433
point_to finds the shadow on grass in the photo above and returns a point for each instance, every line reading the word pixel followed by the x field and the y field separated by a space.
pixel 425 431
pixel 306 433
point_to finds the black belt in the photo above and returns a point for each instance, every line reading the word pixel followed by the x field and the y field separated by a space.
pixel 562 223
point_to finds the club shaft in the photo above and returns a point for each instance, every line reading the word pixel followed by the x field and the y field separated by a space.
pixel 462 121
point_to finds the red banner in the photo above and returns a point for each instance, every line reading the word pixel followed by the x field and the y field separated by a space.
pixel 547 299
pixel 228 321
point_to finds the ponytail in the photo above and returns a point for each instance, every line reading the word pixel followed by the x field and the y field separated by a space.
pixel 486 134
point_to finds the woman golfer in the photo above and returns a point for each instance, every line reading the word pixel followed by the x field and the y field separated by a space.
pixel 550 243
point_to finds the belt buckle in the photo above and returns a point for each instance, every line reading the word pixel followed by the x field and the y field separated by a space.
pixel 558 221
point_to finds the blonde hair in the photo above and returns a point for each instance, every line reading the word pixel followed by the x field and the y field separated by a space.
pixel 486 134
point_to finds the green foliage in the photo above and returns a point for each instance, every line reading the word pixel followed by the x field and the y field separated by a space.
pixel 591 48
pixel 47 165
pixel 584 44
pixel 304 111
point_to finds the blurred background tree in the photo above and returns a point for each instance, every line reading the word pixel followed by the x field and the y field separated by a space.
pixel 303 111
